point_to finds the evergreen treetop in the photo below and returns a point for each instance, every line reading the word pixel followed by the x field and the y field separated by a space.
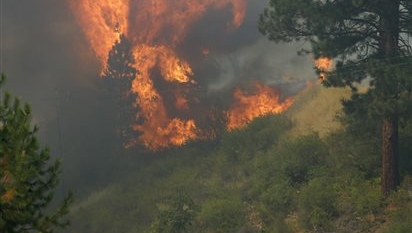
pixel 27 176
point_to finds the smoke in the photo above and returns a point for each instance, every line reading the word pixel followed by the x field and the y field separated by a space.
pixel 272 64
pixel 45 56
pixel 43 47
pixel 51 65
pixel 234 58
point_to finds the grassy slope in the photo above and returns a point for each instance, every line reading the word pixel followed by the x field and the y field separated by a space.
pixel 315 109
pixel 124 205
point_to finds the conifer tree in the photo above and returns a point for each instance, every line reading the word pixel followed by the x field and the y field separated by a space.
pixel 118 77
pixel 369 41
pixel 28 178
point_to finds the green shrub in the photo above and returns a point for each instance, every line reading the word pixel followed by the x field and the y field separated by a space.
pixel 352 154
pixel 176 216
pixel 400 218
pixel 259 135
pixel 317 204
pixel 366 197
pixel 301 158
pixel 279 198
pixel 222 215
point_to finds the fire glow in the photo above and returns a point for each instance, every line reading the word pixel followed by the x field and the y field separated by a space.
pixel 156 28
pixel 262 101
pixel 323 64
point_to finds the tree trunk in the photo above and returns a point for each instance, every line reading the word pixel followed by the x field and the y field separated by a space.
pixel 390 156
pixel 389 47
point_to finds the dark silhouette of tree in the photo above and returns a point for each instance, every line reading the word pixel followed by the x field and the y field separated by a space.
pixel 368 39
pixel 214 122
pixel 118 77
pixel 27 176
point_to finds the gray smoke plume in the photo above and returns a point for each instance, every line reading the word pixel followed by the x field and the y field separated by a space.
pixel 238 57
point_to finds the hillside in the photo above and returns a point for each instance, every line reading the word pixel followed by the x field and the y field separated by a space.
pixel 315 109
pixel 282 173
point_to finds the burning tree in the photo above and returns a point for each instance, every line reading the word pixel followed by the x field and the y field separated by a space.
pixel 118 77
pixel 368 39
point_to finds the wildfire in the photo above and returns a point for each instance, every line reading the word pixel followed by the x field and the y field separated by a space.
pixel 156 28
pixel 167 22
pixel 263 100
pixel 159 130
pixel 102 22
pixel 324 65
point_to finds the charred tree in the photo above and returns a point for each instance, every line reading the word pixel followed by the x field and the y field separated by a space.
pixel 368 40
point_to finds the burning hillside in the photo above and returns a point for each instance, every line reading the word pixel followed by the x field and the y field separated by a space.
pixel 164 84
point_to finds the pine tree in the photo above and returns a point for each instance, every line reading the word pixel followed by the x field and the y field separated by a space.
pixel 368 39
pixel 27 176
pixel 118 77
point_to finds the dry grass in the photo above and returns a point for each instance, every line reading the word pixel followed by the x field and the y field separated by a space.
pixel 315 110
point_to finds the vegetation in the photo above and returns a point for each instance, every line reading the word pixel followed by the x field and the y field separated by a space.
pixel 368 39
pixel 176 216
pixel 27 179
pixel 258 179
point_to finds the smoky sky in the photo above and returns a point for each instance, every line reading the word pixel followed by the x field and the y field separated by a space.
pixel 42 44
pixel 50 65
pixel 44 54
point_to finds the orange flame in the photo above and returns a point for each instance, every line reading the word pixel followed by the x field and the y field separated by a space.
pixel 158 129
pixel 167 22
pixel 155 28
pixel 323 64
pixel 102 22
pixel 264 100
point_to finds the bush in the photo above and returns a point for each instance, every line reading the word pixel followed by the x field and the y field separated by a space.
pixel 177 216
pixel 317 204
pixel 279 198
pixel 300 159
pixel 259 135
pixel 222 215
pixel 400 215
pixel 366 197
